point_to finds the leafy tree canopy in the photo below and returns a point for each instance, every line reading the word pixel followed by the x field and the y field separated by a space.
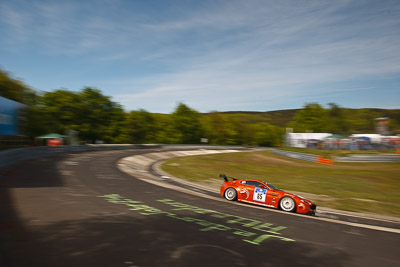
pixel 186 123
pixel 312 117
pixel 16 90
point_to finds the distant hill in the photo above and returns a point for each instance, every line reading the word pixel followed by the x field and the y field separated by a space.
pixel 278 118
pixel 362 119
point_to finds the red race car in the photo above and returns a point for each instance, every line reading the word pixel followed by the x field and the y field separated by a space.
pixel 265 194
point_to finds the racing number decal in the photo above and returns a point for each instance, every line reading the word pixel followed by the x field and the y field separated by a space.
pixel 260 194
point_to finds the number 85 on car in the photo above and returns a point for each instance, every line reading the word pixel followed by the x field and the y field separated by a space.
pixel 264 194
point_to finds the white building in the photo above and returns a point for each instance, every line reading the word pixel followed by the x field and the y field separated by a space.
pixel 304 139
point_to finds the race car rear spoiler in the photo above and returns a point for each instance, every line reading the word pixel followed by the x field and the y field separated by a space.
pixel 226 178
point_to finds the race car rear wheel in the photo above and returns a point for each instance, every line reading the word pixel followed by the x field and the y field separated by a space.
pixel 287 204
pixel 230 194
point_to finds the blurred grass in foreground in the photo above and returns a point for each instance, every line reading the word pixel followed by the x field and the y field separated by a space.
pixel 366 187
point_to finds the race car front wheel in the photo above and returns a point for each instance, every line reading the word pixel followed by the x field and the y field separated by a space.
pixel 230 194
pixel 287 204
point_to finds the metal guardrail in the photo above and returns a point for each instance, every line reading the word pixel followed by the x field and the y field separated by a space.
pixel 12 156
pixel 369 158
pixel 349 158
pixel 296 155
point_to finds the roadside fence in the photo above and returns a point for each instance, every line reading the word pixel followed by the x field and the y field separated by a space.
pixel 296 155
pixel 369 158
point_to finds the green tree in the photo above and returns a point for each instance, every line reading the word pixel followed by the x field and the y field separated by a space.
pixel 98 115
pixel 268 135
pixel 186 124
pixel 363 120
pixel 141 127
pixel 89 112
pixel 165 130
pixel 337 122
pixel 16 90
pixel 313 117
pixel 35 121
pixel 60 110
pixel 248 134
pixel 220 130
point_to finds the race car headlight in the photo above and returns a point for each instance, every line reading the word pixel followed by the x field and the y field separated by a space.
pixel 305 201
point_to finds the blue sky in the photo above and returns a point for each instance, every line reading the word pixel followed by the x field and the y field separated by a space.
pixel 227 55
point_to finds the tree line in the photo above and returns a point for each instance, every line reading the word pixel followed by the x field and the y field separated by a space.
pixel 96 117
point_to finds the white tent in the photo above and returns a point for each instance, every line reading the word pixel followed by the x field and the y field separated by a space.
pixel 375 138
pixel 302 139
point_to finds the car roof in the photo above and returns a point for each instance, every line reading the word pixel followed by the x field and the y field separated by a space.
pixel 252 180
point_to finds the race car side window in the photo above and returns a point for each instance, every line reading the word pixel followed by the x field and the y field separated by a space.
pixel 259 185
pixel 243 182
pixel 256 184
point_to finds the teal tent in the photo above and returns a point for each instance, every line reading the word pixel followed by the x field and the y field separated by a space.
pixel 335 136
pixel 52 136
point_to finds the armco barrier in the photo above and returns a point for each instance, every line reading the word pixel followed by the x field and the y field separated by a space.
pixel 349 158
pixel 369 158
pixel 13 156
pixel 296 155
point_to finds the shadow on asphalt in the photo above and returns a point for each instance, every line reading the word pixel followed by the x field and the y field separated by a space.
pixel 155 241
pixel 24 174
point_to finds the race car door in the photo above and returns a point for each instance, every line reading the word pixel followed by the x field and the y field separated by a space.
pixel 259 193
pixel 245 191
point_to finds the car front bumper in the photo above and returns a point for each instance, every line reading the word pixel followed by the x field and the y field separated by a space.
pixel 313 210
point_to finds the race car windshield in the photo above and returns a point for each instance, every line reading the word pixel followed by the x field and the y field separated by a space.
pixel 273 187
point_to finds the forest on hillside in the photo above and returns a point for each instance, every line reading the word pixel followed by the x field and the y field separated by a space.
pixel 95 116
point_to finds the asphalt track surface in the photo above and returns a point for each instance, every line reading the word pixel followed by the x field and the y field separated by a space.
pixel 82 210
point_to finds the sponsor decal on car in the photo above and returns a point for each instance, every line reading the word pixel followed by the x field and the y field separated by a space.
pixel 245 191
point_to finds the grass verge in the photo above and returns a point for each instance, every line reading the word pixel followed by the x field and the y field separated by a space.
pixel 366 187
